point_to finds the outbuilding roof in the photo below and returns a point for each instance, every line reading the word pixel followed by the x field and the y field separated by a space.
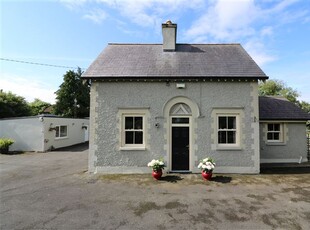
pixel 187 61
pixel 279 108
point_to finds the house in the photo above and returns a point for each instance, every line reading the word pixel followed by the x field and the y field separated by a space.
pixel 44 132
pixel 282 131
pixel 179 102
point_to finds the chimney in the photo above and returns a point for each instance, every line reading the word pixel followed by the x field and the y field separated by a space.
pixel 169 36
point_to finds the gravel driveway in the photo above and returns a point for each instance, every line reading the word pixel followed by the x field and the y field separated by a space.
pixel 54 191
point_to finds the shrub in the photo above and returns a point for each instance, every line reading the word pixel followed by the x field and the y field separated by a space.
pixel 5 143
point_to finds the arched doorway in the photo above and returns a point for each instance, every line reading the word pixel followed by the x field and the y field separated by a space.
pixel 180 115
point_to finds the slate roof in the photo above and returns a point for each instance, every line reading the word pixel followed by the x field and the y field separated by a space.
pixel 188 61
pixel 276 108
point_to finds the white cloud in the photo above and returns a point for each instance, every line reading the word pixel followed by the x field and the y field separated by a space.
pixel 224 20
pixel 266 31
pixel 145 13
pixel 96 15
pixel 258 52
pixel 73 4
pixel 247 21
pixel 216 21
pixel 28 89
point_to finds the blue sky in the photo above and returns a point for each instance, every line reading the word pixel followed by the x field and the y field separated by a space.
pixel 72 33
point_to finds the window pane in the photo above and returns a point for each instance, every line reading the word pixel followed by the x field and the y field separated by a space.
pixel 138 123
pixel 63 131
pixel 276 127
pixel 231 122
pixel 222 123
pixel 269 136
pixel 222 137
pixel 128 122
pixel 129 137
pixel 138 137
pixel 231 137
pixel 276 136
pixel 180 120
pixel 270 127
pixel 57 131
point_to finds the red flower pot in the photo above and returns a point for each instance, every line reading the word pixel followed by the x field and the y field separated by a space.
pixel 157 174
pixel 206 175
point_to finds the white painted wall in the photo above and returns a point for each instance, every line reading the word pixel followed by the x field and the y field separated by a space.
pixel 76 134
pixel 26 132
pixel 32 133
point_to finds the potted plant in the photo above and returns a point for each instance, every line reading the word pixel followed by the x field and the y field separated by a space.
pixel 157 167
pixel 206 165
pixel 5 144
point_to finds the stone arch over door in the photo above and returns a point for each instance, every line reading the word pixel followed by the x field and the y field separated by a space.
pixel 174 109
pixel 183 100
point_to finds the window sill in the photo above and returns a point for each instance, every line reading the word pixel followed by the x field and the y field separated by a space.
pixel 228 148
pixel 275 143
pixel 61 138
pixel 132 148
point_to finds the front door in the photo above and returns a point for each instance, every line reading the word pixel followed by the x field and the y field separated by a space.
pixel 180 143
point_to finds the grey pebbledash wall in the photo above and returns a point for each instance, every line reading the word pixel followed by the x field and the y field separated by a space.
pixel 292 149
pixel 108 97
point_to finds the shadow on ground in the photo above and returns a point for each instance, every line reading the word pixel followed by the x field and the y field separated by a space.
pixel 171 178
pixel 73 148
pixel 301 170
pixel 285 168
pixel 222 179
pixel 13 153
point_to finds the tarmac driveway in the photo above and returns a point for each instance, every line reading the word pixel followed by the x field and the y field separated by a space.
pixel 53 191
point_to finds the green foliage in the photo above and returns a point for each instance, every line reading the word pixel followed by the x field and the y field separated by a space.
pixel 73 96
pixel 5 142
pixel 38 106
pixel 12 105
pixel 305 106
pixel 278 88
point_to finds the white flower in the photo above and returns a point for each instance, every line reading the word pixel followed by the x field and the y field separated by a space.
pixel 205 160
pixel 156 164
pixel 206 164
pixel 151 164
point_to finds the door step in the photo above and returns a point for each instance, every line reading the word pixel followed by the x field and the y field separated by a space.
pixel 180 171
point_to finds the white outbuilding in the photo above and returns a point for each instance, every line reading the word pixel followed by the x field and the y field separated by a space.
pixel 44 132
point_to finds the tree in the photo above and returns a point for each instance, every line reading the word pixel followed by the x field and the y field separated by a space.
pixel 12 105
pixel 38 106
pixel 278 88
pixel 305 106
pixel 73 97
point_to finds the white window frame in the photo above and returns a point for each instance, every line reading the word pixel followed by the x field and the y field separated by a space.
pixel 228 112
pixel 281 132
pixel 59 127
pixel 132 113
pixel 226 129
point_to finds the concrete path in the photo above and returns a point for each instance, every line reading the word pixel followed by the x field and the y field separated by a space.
pixel 53 191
